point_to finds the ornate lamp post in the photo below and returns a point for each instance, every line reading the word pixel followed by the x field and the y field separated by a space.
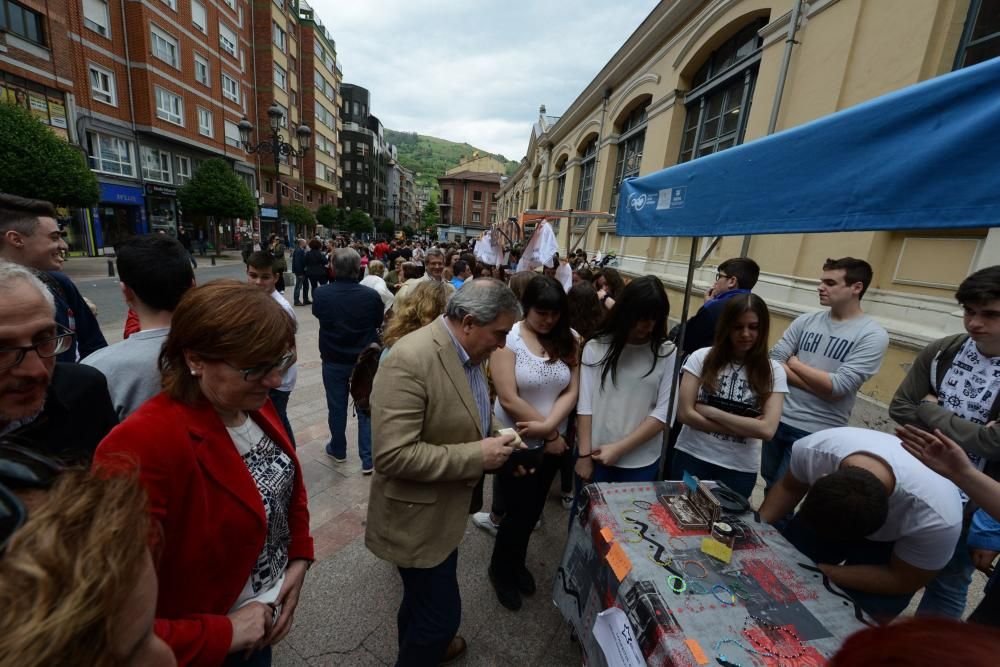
pixel 275 144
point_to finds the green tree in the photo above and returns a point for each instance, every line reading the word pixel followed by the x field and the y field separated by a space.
pixel 300 216
pixel 216 191
pixel 386 227
pixel 329 216
pixel 409 232
pixel 358 222
pixel 431 218
pixel 40 165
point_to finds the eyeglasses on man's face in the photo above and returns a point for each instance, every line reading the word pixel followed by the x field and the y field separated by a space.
pixel 258 373
pixel 49 347
pixel 719 275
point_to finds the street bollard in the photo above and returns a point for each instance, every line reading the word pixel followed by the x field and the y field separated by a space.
pixel 213 260
pixel 111 269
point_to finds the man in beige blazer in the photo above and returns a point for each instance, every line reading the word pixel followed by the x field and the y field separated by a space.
pixel 431 418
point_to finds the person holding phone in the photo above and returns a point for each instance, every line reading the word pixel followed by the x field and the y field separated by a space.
pixel 731 396
pixel 536 376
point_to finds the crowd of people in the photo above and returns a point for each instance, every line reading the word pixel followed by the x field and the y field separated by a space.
pixel 154 510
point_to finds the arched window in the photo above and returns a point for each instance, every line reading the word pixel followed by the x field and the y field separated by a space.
pixel 561 181
pixel 981 38
pixel 588 160
pixel 631 137
pixel 719 102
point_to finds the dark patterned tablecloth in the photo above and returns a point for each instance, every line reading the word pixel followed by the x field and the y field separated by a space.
pixel 769 598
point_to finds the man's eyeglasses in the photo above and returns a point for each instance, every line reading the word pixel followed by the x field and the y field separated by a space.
pixel 719 275
pixel 50 347
pixel 20 468
pixel 258 373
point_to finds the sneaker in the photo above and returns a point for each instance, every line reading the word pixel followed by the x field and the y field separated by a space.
pixel 483 520
pixel 367 471
pixel 297 303
pixel 336 459
pixel 567 500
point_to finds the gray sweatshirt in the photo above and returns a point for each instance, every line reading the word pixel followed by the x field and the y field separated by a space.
pixel 131 369
pixel 850 351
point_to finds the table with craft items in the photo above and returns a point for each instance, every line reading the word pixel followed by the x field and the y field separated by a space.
pixel 626 551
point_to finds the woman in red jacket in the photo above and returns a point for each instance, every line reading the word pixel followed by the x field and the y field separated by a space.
pixel 222 478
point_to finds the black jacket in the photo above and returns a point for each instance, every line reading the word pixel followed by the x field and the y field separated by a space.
pixel 315 264
pixel 78 414
pixel 349 317
pixel 299 261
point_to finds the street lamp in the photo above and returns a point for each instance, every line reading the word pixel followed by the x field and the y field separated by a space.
pixel 275 144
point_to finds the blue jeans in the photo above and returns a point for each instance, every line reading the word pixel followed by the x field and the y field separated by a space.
pixel 946 593
pixel 430 612
pixel 336 381
pixel 280 400
pixel 776 453
pixel 301 287
pixel 261 658
pixel 740 482
pixel 881 607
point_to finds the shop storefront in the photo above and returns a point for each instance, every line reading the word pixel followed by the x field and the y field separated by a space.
pixel 119 215
pixel 268 222
pixel 161 205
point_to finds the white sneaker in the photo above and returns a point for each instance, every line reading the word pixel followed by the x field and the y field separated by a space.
pixel 483 520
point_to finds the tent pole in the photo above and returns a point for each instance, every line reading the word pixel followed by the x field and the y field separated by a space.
pixel 675 380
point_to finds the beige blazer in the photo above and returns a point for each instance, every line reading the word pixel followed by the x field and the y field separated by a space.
pixel 428 461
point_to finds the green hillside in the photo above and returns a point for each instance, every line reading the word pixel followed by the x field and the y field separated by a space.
pixel 431 157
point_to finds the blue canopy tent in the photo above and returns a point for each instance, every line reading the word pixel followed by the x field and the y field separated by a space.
pixel 924 157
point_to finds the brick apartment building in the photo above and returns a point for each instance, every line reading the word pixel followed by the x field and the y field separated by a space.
pixel 149 89
pixel 468 203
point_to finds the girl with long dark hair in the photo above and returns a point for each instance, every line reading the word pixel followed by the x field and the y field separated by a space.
pixel 731 396
pixel 536 378
pixel 625 387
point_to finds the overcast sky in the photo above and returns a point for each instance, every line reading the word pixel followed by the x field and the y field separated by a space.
pixel 471 70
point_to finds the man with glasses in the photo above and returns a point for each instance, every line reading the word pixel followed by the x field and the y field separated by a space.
pixel 734 276
pixel 261 274
pixel 30 236
pixel 57 409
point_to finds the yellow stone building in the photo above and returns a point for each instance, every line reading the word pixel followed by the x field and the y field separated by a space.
pixel 700 76
pixel 485 164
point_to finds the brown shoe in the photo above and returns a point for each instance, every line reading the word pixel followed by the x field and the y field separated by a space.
pixel 456 649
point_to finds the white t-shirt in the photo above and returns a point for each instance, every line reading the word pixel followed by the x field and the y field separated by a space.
pixel 289 376
pixel 925 511
pixel 619 407
pixel 274 474
pixel 538 382
pixel 728 451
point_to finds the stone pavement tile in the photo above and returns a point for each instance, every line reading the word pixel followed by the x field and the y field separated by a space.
pixel 285 656
pixel 337 532
pixel 346 598
pixel 317 477
pixel 323 507
pixel 384 641
pixel 359 657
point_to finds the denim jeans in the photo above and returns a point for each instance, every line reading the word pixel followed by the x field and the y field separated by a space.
pixel 740 482
pixel 858 552
pixel 336 381
pixel 430 612
pixel 946 593
pixel 603 473
pixel 301 287
pixel 776 453
pixel 280 400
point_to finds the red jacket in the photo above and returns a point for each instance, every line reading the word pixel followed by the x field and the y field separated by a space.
pixel 210 513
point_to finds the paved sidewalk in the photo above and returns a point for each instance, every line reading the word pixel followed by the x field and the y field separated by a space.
pixel 82 268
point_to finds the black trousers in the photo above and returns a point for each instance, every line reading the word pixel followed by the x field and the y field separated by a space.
pixel 430 613
pixel 524 499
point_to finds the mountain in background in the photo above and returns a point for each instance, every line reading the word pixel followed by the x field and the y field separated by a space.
pixel 431 156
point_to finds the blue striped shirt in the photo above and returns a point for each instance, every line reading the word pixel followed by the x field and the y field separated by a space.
pixel 477 381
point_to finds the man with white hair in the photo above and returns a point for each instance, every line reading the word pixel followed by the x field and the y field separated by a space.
pixel 61 410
